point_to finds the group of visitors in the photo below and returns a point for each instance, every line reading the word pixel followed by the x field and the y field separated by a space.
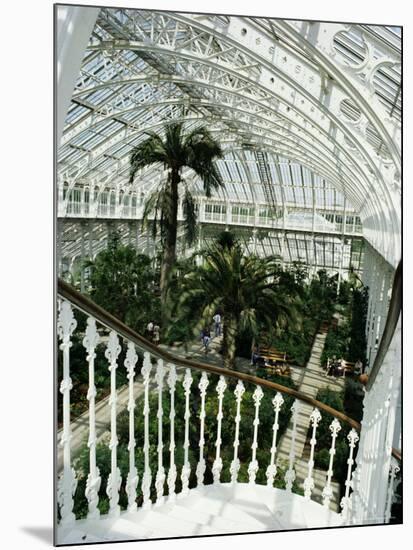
pixel 153 332
pixel 337 367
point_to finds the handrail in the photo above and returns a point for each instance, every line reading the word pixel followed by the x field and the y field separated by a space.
pixel 390 326
pixel 105 318
pixel 89 307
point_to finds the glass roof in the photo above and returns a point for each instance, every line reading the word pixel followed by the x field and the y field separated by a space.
pixel 308 113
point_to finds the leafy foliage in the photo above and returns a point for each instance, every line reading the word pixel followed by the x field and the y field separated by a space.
pixel 196 150
pixel 123 282
pixel 243 288
pixel 358 344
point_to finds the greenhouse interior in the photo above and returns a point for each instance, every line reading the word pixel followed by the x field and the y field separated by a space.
pixel 228 263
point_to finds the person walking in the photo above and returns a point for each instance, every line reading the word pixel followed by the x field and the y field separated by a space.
pixel 206 339
pixel 217 321
pixel 156 334
pixel 149 331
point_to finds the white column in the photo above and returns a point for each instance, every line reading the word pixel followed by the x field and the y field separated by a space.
pixel 160 474
pixel 315 418
pixel 172 378
pixel 328 491
pixel 235 464
pixel 133 478
pixel 217 466
pixel 345 501
pixel 200 470
pixel 147 475
pixel 277 402
pixel 186 469
pixel 394 469
pixel 290 473
pixel 90 342
pixel 114 480
pixel 253 465
pixel 67 482
pixel 74 27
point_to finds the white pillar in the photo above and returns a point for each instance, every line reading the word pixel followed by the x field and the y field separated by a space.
pixel 74 26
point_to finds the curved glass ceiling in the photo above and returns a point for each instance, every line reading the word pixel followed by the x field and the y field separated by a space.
pixel 308 113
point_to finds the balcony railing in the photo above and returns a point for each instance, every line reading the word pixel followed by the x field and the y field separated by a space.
pixel 163 372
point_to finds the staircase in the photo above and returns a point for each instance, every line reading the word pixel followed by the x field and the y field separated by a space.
pixel 312 380
pixel 160 484
pixel 210 510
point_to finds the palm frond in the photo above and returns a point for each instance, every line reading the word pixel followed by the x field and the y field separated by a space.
pixel 149 151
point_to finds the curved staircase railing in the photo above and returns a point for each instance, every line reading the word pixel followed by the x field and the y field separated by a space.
pixel 162 372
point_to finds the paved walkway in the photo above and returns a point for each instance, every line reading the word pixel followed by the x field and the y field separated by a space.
pixel 309 380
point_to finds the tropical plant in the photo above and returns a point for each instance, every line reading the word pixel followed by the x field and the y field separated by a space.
pixel 196 150
pixel 123 282
pixel 243 288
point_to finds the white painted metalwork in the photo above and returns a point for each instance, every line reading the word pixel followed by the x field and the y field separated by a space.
pixel 133 479
pixel 114 481
pixel 160 474
pixel 394 470
pixel 200 470
pixel 90 341
pixel 67 483
pixel 290 473
pixel 288 87
pixel 315 418
pixel 186 468
pixel 328 491
pixel 147 474
pixel 253 465
pixel 172 378
pixel 217 466
pixel 345 501
pixel 271 472
pixel 235 464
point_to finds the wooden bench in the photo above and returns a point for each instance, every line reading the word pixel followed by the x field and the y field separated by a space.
pixel 279 359
pixel 273 355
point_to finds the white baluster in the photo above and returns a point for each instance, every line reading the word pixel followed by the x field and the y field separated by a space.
pixel 394 469
pixel 93 482
pixel 290 473
pixel 253 465
pixel 114 480
pixel 186 469
pixel 200 469
pixel 67 483
pixel 271 472
pixel 235 464
pixel 147 475
pixel 217 466
pixel 133 478
pixel 172 468
pixel 160 474
pixel 328 491
pixel 345 501
pixel 315 418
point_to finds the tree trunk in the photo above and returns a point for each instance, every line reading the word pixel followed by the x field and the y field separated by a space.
pixel 229 343
pixel 169 251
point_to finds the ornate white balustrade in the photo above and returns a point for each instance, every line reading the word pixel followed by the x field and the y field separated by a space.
pixel 206 403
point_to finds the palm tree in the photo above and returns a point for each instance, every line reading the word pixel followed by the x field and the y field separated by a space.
pixel 196 150
pixel 243 288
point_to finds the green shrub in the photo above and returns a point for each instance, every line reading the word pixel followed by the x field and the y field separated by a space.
pixel 322 459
